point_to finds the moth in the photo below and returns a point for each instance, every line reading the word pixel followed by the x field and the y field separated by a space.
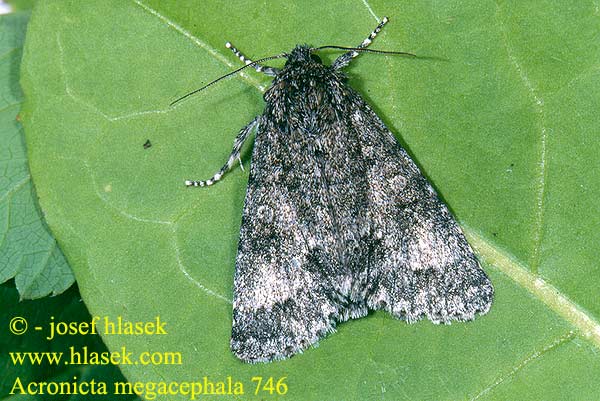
pixel 337 220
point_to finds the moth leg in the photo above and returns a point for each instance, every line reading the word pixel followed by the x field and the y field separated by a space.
pixel 345 58
pixel 271 71
pixel 235 154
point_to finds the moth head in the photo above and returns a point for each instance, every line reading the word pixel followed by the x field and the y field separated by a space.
pixel 303 54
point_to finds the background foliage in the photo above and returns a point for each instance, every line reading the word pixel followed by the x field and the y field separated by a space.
pixel 27 250
pixel 501 118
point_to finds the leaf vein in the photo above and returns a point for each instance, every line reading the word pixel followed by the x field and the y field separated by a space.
pixel 8 106
pixel 15 188
pixel 107 201
pixel 9 53
pixel 200 43
pixel 537 286
pixel 565 338
pixel 39 272
pixel 180 264
pixel 185 272
pixel 582 75
pixel 366 3
pixel 77 99
pixel 538 104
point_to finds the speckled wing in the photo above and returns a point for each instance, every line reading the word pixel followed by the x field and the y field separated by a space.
pixel 339 220
pixel 282 300
pixel 421 264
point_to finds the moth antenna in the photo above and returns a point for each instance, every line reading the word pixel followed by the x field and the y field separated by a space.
pixel 345 58
pixel 270 71
pixel 251 64
pixel 360 49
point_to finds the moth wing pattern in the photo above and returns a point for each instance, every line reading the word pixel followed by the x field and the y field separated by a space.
pixel 422 265
pixel 281 303
pixel 351 226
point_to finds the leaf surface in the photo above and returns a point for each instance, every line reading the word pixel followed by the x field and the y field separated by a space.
pixel 498 112
pixel 28 252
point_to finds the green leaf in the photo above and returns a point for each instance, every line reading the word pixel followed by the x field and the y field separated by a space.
pixel 499 112
pixel 21 4
pixel 28 252
pixel 66 307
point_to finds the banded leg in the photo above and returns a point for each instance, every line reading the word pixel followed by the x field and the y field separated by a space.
pixel 271 71
pixel 235 154
pixel 345 58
